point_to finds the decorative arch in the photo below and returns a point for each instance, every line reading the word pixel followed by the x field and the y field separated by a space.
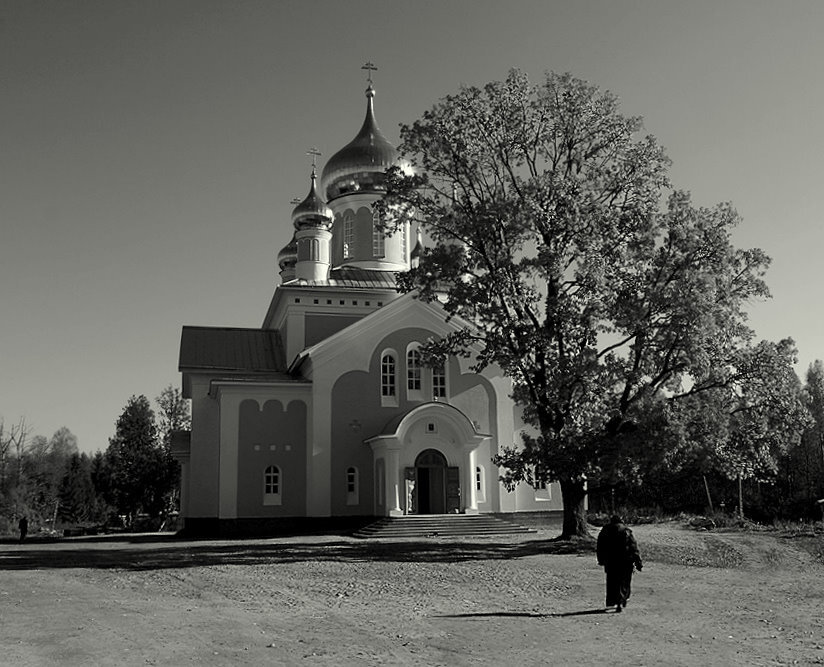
pixel 443 439
pixel 395 432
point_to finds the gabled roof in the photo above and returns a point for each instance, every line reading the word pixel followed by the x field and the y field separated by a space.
pixel 257 351
pixel 355 341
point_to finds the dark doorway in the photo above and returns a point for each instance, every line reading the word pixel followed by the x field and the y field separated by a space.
pixel 431 473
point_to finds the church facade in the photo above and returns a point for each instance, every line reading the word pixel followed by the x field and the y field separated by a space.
pixel 326 411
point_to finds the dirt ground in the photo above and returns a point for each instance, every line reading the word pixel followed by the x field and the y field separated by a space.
pixel 704 598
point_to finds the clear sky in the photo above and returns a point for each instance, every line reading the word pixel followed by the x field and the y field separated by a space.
pixel 149 151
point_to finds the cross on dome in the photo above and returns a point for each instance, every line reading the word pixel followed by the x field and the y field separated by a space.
pixel 315 153
pixel 369 67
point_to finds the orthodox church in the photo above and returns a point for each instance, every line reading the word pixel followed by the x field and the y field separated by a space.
pixel 326 412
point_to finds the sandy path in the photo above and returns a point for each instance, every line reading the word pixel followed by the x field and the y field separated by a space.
pixel 703 599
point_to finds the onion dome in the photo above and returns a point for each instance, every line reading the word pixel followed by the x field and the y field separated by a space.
pixel 360 165
pixel 417 251
pixel 288 256
pixel 312 211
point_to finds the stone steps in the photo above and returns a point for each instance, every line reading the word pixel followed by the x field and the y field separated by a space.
pixel 440 525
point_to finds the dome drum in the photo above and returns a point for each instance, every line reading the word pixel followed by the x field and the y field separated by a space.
pixel 364 181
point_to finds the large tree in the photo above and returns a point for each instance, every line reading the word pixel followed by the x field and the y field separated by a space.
pixel 553 248
pixel 135 462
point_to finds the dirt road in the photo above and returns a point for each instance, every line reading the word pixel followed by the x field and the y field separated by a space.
pixel 702 599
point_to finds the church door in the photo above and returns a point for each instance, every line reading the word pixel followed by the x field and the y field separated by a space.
pixel 434 483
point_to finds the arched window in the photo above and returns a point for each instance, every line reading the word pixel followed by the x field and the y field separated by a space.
pixel 378 238
pixel 413 372
pixel 352 484
pixel 272 489
pixel 480 484
pixel 439 381
pixel 388 379
pixel 348 234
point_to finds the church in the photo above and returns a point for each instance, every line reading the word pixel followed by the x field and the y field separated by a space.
pixel 326 413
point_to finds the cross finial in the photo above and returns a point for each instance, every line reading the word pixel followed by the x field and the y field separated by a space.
pixel 369 67
pixel 315 153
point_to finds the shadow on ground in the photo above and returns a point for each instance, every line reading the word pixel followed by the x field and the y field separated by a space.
pixel 527 614
pixel 144 553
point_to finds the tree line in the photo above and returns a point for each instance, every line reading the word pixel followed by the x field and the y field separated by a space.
pixel 54 485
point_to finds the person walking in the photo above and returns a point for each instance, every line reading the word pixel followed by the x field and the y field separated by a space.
pixel 618 552
pixel 23 526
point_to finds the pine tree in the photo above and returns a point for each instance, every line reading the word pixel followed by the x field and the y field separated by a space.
pixel 135 462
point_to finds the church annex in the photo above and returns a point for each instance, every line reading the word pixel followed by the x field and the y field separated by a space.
pixel 326 412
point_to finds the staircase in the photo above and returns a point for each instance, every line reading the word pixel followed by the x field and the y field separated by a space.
pixel 440 525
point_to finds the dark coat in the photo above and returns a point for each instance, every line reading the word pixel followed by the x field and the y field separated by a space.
pixel 617 548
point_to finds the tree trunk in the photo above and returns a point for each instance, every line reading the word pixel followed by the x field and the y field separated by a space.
pixel 740 498
pixel 575 520
pixel 709 497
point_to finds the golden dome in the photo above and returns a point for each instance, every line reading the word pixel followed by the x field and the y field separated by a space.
pixel 288 254
pixel 312 211
pixel 360 165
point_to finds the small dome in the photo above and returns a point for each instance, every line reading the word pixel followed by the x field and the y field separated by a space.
pixel 288 254
pixel 360 165
pixel 312 211
pixel 417 251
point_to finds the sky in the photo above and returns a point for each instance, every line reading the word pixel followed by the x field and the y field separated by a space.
pixel 149 151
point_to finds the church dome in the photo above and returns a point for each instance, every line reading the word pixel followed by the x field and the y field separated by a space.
pixel 360 165
pixel 312 211
pixel 288 254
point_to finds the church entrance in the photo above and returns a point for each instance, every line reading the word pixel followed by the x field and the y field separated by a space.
pixel 436 485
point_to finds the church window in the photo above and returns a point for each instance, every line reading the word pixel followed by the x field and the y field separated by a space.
pixel 351 486
pixel 378 239
pixel 439 381
pixel 388 379
pixel 348 234
pixel 272 486
pixel 414 371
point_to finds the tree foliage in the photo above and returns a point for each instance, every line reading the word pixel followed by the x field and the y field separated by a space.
pixel 77 496
pixel 135 461
pixel 174 415
pixel 552 251
pixel 52 483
